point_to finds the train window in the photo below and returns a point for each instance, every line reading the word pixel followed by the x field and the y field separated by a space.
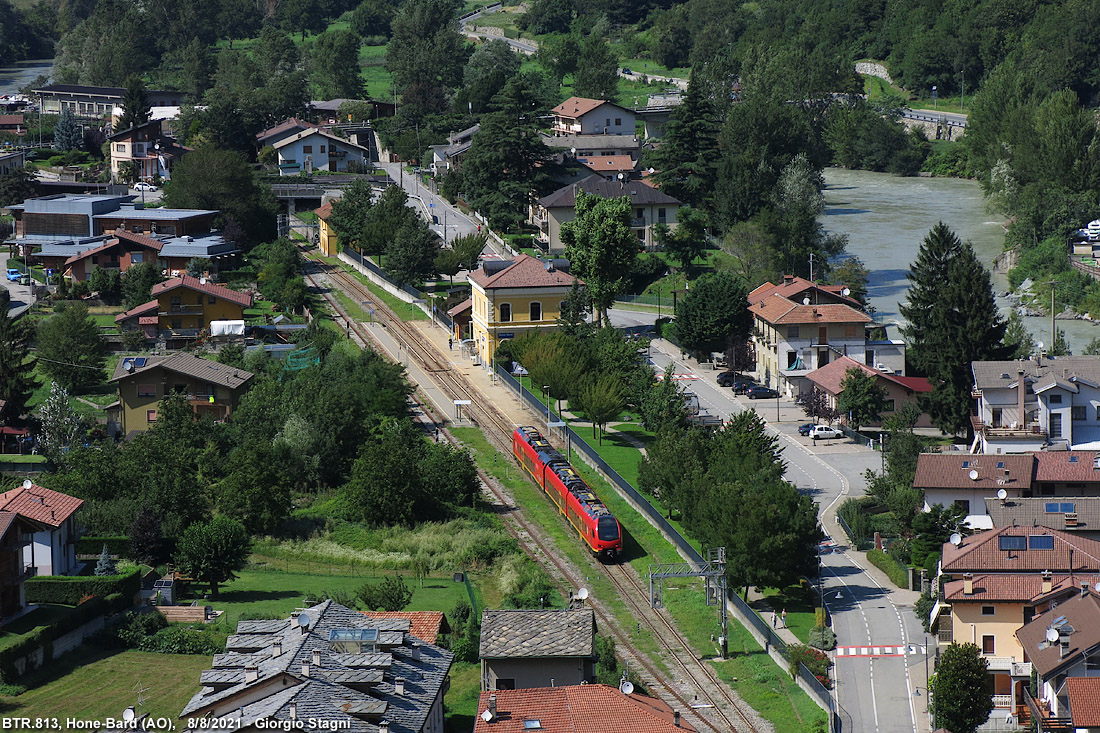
pixel 608 529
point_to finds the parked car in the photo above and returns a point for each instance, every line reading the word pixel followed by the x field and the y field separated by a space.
pixel 805 429
pixel 626 70
pixel 761 393
pixel 13 275
pixel 742 387
pixel 822 432
pixel 143 186
pixel 727 379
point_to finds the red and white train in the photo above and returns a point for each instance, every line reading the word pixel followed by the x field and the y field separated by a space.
pixel 593 521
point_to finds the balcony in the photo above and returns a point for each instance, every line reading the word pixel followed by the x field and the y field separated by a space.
pixel 1009 665
pixel 174 333
pixel 1003 702
pixel 1031 430
pixel 637 223
pixel 181 308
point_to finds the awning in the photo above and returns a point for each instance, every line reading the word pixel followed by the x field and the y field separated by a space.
pixel 936 610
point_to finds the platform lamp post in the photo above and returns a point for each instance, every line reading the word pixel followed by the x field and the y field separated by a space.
pixel 546 396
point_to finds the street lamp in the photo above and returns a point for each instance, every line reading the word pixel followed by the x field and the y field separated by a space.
pixel 546 396
pixel 934 95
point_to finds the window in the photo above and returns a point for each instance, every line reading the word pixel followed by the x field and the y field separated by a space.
pixel 639 213
pixel 147 390
pixel 151 415
pixel 505 312
pixel 136 228
pixel 307 148
pixel 988 610
pixel 120 148
pixel 536 311
pixel 532 724
pixel 792 332
pixel 135 257
pixel 988 644
pixel 322 148
pixel 607 122
pixel 506 683
pixel 198 299
pixel 1041 542
pixel 1056 425
pixel 1077 413
pixel 1012 542
pixel 211 300
pixel 618 120
pixel 1056 399
pixel 1098 412
pixel 964 504
pixel 661 215
pixel 1000 464
pixel 95 259
pixel 889 406
pixel 792 357
pixel 177 302
pixel 851 330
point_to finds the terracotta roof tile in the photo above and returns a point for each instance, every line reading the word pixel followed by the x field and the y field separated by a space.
pixel 194 283
pixel 778 310
pixel 982 552
pixel 1082 613
pixel 40 504
pixel 577 709
pixel 1013 587
pixel 524 272
pixel 11 119
pixel 139 239
pixel 830 376
pixel 144 239
pixel 292 123
pixel 324 212
pixel 1084 701
pixel 952 471
pixel 640 194
pixel 461 307
pixel 792 287
pixel 140 310
pixel 578 106
pixel 1076 466
pixel 424 625
pixel 609 163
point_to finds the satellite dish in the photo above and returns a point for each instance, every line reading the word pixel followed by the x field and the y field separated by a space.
pixel 846 292
pixel 956 539
pixel 626 687
pixel 202 280
pixel 973 474
pixel 27 483
pixel 806 300
pixel 582 593
pixel 1002 494
pixel 128 715
pixel 1052 635
pixel 487 716
pixel 128 365
pixel 304 620
pixel 1039 345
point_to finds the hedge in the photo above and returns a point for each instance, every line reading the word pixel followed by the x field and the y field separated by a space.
pixel 888 565
pixel 70 590
pixel 41 636
pixel 93 545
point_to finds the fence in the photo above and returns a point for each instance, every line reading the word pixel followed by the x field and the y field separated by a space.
pixel 741 610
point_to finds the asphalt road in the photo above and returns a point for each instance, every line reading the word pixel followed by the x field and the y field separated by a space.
pixel 21 298
pixel 931 115
pixel 429 204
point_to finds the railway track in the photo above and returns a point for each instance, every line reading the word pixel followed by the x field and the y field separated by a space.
pixel 713 715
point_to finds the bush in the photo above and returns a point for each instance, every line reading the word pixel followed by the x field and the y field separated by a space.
pixel 815 660
pixel 137 626
pixel 71 590
pixel 898 574
pixel 180 640
pixel 391 594
pixel 461 612
pixel 117 545
pixel 822 637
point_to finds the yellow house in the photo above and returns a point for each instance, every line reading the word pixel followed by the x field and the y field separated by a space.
pixel 326 236
pixel 184 306
pixel 512 297
pixel 211 388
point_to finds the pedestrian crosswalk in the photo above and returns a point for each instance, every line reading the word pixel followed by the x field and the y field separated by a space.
pixel 879 651
pixel 678 377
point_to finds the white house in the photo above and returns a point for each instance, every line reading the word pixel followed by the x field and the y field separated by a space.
pixel 1034 404
pixel 52 551
pixel 316 150
pixel 580 116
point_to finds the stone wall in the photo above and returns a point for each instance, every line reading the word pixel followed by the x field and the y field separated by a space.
pixel 873 69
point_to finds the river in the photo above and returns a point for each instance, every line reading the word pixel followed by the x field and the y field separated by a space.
pixel 886 217
pixel 22 73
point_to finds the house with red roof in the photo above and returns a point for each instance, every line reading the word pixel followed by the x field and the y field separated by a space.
pixel 185 306
pixel 800 326
pixel 15 535
pixel 582 116
pixel 512 297
pixel 52 549
pixel 575 709
pixel 121 252
pixel 424 625
pixel 900 390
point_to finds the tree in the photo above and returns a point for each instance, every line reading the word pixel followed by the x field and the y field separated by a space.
pixel 257 490
pixel 336 65
pixel 421 568
pixel 686 161
pixel 147 544
pixel 490 67
pixel 198 69
pixel 426 54
pixel 558 54
pixel 138 282
pixel 67 134
pixel 410 255
pixel 861 397
pixel 597 75
pixel 136 109
pixel 601 247
pixel 547 16
pixel 964 700
pixel 17 380
pixel 276 52
pixel 689 241
pixel 1093 347
pixel 1021 343
pixel 853 274
pixel 714 310
pixel 389 594
pixel 952 321
pixel 1060 347
pixel 105 565
pixel 71 349
pixel 61 425
pixel 815 404
pixel 18 184
pixel 601 400
pixel 128 172
pixel 212 552
pixel 372 19
pixel 663 404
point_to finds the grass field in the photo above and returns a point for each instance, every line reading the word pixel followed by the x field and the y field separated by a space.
pixel 44 615
pixel 96 683
pixel 461 700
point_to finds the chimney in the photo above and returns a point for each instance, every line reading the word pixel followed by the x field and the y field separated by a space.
pixel 251 674
pixel 788 278
pixel 293 711
pixel 493 705
pixel 1021 393
pixel 277 649
pixel 968 584
pixel 676 718
pixel 316 657
pixel 416 651
pixel 399 686
pixel 552 682
pixel 1048 583
pixel 383 726
pixel 305 670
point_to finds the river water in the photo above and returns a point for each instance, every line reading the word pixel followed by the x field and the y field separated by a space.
pixel 886 217
pixel 22 74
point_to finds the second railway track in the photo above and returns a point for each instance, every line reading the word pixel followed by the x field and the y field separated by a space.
pixel 720 712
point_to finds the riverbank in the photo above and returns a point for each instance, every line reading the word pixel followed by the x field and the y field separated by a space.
pixel 22 73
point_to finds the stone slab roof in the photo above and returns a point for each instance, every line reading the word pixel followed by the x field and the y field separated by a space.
pixel 1002 374
pixel 536 634
pixel 640 194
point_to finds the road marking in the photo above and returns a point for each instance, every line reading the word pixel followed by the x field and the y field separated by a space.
pixel 678 377
pixel 899 650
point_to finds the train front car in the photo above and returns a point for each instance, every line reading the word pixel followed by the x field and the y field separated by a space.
pixel 609 538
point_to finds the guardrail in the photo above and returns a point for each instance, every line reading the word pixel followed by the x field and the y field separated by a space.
pixel 749 619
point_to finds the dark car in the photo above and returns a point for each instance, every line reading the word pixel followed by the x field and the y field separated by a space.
pixel 727 379
pixel 761 393
pixel 804 430
pixel 742 387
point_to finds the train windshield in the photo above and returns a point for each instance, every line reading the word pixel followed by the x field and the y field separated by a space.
pixel 608 529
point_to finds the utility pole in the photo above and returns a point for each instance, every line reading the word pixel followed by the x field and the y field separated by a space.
pixel 713 570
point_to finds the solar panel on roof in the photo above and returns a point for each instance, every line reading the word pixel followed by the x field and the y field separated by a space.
pixel 140 362
pixel 1073 459
pixel 369 635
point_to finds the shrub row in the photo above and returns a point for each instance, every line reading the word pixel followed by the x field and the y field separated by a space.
pixel 93 545
pixel 898 574
pixel 71 590
pixel 150 632
pixel 42 636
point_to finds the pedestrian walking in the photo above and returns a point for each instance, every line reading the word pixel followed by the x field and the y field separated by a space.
pixel 775 619
pixel 784 618
pixel 450 343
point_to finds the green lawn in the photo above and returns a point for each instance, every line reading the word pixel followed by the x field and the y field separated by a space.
pixel 800 602
pixel 461 701
pixel 12 458
pixel 405 311
pixel 94 683
pixel 44 615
